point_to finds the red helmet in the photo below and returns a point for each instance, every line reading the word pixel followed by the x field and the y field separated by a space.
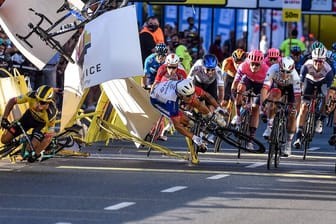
pixel 273 53
pixel 256 56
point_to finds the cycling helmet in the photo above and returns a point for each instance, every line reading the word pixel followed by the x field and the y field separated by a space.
pixel 210 61
pixel 239 55
pixel 45 94
pixel 319 53
pixel 287 64
pixel 295 50
pixel 317 44
pixel 256 56
pixel 172 59
pixel 333 46
pixel 185 87
pixel 329 55
pixel 273 53
pixel 161 49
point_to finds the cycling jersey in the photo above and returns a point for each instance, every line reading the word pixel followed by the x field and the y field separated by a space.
pixel 198 74
pixel 228 67
pixel 276 79
pixel 47 117
pixel 162 74
pixel 244 70
pixel 164 98
pixel 268 63
pixel 312 75
pixel 150 68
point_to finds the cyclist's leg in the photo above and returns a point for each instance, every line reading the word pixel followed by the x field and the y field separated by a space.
pixel 274 95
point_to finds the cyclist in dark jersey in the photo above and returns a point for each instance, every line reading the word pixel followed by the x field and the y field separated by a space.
pixel 40 117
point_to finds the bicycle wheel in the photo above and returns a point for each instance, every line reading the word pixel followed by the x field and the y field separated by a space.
pixel 239 140
pixel 308 133
pixel 244 128
pixel 271 152
pixel 8 148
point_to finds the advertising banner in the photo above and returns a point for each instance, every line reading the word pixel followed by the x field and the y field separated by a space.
pixel 15 15
pixel 321 5
pixel 246 4
pixel 291 10
pixel 270 4
pixel 109 47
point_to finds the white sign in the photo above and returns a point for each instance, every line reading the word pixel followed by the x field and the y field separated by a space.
pixel 109 47
pixel 246 4
pixel 321 5
pixel 271 4
pixel 15 17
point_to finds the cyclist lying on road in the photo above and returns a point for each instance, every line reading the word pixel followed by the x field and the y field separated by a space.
pixel 40 117
pixel 168 96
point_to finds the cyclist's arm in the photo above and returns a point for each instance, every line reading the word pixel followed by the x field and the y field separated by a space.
pixel 177 121
pixel 9 107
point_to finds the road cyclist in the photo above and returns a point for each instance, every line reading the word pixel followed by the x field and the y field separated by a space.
pixel 250 75
pixel 40 117
pixel 315 73
pixel 170 95
pixel 282 78
pixel 272 57
pixel 152 64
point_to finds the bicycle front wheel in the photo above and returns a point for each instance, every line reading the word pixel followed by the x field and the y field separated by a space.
pixel 239 140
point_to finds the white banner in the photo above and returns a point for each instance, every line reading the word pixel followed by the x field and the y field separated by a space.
pixel 270 4
pixel 321 5
pixel 110 48
pixel 15 17
pixel 246 4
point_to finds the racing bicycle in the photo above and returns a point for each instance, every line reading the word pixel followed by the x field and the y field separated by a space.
pixel 18 146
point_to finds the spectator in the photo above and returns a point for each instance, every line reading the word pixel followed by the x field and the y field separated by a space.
pixel 191 28
pixel 263 45
pixel 150 35
pixel 215 48
pixel 291 41
pixel 182 51
pixel 229 45
pixel 242 42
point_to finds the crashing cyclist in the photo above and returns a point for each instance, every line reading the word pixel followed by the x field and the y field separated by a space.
pixel 40 117
pixel 170 95
pixel 282 78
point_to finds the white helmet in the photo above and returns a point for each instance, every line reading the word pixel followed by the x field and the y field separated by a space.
pixel 319 53
pixel 185 87
pixel 287 64
pixel 172 59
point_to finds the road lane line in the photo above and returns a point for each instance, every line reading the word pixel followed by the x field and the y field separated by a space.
pixel 219 176
pixel 254 165
pixel 119 206
pixel 248 173
pixel 173 189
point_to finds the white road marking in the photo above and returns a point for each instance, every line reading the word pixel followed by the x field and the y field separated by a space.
pixel 254 165
pixel 314 148
pixel 119 206
pixel 174 189
pixel 216 177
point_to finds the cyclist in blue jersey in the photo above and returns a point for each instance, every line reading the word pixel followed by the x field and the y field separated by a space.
pixel 152 64
pixel 297 56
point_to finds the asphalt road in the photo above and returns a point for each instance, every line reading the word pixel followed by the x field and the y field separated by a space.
pixel 120 184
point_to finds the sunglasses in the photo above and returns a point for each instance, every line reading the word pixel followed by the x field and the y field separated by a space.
pixel 210 69
pixel 296 54
pixel 42 103
pixel 255 64
pixel 172 67
pixel 238 61
pixel 5 41
pixel 286 71
pixel 318 61
pixel 188 96
pixel 273 59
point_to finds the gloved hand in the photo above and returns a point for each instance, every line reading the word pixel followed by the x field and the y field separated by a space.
pixel 198 140
pixel 220 111
pixel 5 123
